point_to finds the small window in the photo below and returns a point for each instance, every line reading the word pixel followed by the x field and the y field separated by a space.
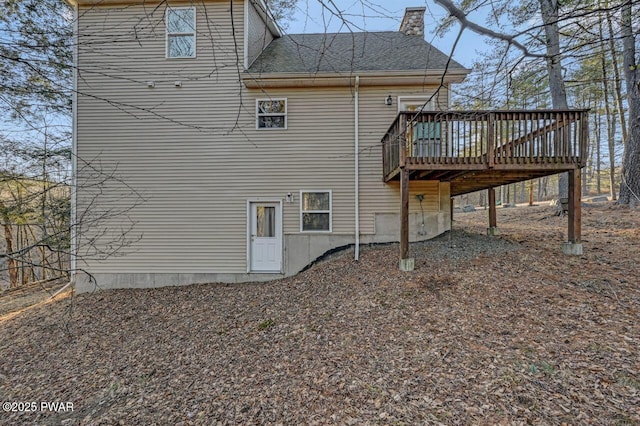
pixel 265 221
pixel 181 32
pixel 271 114
pixel 415 103
pixel 315 211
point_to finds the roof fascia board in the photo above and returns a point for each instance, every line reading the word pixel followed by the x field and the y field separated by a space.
pixel 110 3
pixel 267 17
pixel 366 79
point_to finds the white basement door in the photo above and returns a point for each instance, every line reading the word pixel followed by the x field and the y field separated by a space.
pixel 266 237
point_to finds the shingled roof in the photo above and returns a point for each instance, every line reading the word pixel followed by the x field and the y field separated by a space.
pixel 349 52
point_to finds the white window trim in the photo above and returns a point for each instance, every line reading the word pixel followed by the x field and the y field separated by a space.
pixel 258 115
pixel 330 211
pixel 415 99
pixel 166 34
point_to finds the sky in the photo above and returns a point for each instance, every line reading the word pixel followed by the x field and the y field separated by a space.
pixel 384 15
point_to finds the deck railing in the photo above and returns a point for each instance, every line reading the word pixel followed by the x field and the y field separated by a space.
pixel 486 139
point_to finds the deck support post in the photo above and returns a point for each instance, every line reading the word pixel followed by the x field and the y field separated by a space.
pixel 451 203
pixel 406 263
pixel 493 222
pixel 574 245
pixel 530 193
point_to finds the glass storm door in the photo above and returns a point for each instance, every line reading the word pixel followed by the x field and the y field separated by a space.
pixel 425 138
pixel 265 246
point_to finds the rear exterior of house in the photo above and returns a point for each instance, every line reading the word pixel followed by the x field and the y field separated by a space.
pixel 212 148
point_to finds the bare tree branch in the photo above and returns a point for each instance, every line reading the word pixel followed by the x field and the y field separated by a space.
pixel 479 29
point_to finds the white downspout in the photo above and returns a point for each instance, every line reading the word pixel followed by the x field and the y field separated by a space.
pixel 356 166
pixel 74 152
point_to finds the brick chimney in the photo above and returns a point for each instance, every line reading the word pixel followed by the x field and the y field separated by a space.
pixel 413 21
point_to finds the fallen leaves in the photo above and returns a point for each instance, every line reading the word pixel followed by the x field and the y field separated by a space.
pixel 485 330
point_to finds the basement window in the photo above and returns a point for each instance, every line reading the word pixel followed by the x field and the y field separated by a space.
pixel 315 211
pixel 181 32
pixel 271 114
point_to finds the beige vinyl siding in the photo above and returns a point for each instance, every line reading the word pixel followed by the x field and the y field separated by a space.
pixel 193 154
pixel 315 152
pixel 259 34
pixel 173 145
pixel 375 119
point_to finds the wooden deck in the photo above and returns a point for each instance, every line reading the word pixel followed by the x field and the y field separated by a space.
pixel 477 150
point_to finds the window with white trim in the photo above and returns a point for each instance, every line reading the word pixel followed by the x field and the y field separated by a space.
pixel 415 103
pixel 271 113
pixel 181 32
pixel 315 211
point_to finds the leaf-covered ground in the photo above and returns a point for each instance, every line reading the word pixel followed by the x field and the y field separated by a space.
pixel 501 330
pixel 15 299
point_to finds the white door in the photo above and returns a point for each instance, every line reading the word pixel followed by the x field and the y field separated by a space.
pixel 265 241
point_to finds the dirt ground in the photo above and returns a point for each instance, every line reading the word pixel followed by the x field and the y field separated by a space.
pixel 486 330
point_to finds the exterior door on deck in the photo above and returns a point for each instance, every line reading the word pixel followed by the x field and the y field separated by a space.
pixel 425 136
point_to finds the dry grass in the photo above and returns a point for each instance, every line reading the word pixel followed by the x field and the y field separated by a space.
pixel 486 330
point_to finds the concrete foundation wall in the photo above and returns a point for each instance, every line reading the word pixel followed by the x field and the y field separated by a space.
pixel 299 251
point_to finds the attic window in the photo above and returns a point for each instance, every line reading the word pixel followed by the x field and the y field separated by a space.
pixel 271 114
pixel 181 32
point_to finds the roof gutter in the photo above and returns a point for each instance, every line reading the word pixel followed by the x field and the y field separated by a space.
pixel 374 78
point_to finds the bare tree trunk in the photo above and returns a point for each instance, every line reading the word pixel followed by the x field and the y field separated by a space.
pixel 542 188
pixel 611 129
pixel 11 263
pixel 8 238
pixel 27 269
pixel 30 242
pixel 630 185
pixel 598 155
pixel 616 77
pixel 23 275
pixel 549 11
